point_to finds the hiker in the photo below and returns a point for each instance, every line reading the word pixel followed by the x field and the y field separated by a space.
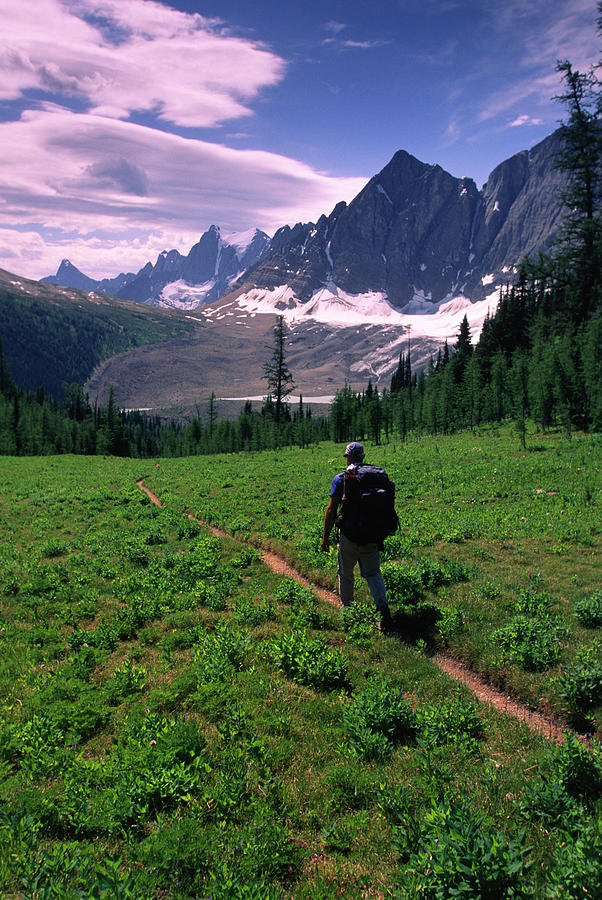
pixel 364 551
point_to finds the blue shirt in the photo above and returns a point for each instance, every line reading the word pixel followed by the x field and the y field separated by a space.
pixel 338 486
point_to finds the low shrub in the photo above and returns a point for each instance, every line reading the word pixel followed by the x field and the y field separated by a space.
pixel 434 574
pixel 249 611
pixel 360 621
pixel 450 722
pixel 53 547
pixel 581 685
pixel 309 662
pixel 546 800
pixel 378 718
pixel 532 643
pixel 577 869
pixel 127 679
pixel 403 583
pixel 304 612
pixel 460 855
pixel 588 610
pixel 188 529
pixel 219 653
pixel 450 621
pixel 533 604
pixel 578 768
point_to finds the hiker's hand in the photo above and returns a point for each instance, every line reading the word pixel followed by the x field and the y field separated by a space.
pixel 325 545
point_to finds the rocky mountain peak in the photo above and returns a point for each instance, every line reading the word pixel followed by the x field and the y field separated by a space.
pixel 415 234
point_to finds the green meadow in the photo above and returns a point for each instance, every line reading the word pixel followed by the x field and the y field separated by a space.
pixel 178 721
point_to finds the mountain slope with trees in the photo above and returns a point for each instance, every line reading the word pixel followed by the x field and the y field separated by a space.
pixel 54 335
pixel 540 354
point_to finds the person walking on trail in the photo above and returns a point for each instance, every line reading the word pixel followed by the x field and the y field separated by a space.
pixel 361 530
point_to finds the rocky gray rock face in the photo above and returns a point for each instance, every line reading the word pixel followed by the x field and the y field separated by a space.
pixel 70 276
pixel 522 205
pixel 414 233
pixel 417 233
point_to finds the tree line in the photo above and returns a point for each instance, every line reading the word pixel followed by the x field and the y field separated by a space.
pixel 539 356
pixel 35 424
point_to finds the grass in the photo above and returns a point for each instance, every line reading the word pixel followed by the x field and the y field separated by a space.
pixel 517 519
pixel 175 756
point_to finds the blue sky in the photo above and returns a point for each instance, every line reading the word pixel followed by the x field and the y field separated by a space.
pixel 130 126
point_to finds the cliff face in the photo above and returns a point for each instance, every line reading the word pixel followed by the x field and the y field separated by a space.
pixel 523 209
pixel 417 233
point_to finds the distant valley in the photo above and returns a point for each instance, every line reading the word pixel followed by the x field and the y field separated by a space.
pixel 400 265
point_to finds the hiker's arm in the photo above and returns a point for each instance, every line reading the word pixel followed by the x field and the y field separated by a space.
pixel 329 520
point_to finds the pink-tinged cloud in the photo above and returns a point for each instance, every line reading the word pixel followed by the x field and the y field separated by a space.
pixel 87 174
pixel 176 66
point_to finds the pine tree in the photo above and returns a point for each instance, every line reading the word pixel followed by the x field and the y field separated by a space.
pixel 276 371
pixel 581 158
pixel 211 413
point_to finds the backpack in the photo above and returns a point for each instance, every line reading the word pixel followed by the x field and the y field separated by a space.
pixel 368 506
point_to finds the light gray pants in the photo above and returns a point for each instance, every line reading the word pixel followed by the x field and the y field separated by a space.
pixel 368 557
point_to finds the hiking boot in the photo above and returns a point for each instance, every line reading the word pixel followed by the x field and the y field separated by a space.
pixel 387 625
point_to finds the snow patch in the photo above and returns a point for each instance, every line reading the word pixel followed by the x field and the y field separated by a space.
pixel 382 191
pixel 259 398
pixel 337 308
pixel 181 295
pixel 487 279
pixel 240 240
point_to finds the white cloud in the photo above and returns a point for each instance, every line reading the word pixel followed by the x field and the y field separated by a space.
pixel 79 178
pixel 175 65
pixel 525 120
pixel 364 45
pixel 88 174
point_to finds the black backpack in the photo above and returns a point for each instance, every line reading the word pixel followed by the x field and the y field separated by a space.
pixel 368 507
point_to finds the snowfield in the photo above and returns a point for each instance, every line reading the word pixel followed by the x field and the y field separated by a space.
pixel 332 306
pixel 181 295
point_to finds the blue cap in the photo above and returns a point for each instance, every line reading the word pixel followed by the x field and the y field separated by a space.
pixel 354 451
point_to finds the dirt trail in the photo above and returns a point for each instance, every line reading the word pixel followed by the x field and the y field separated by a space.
pixel 485 692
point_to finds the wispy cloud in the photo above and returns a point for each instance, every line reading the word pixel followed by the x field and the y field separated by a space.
pixel 99 174
pixel 525 40
pixel 335 40
pixel 364 45
pixel 79 165
pixel 176 66
pixel 335 27
pixel 525 120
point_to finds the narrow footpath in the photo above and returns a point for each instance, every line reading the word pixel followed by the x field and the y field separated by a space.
pixel 484 691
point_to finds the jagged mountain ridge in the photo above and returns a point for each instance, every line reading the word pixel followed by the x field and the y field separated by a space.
pixel 175 280
pixel 415 235
pixel 418 236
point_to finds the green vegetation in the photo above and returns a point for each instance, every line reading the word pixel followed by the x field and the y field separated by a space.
pixel 497 557
pixel 55 335
pixel 177 721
